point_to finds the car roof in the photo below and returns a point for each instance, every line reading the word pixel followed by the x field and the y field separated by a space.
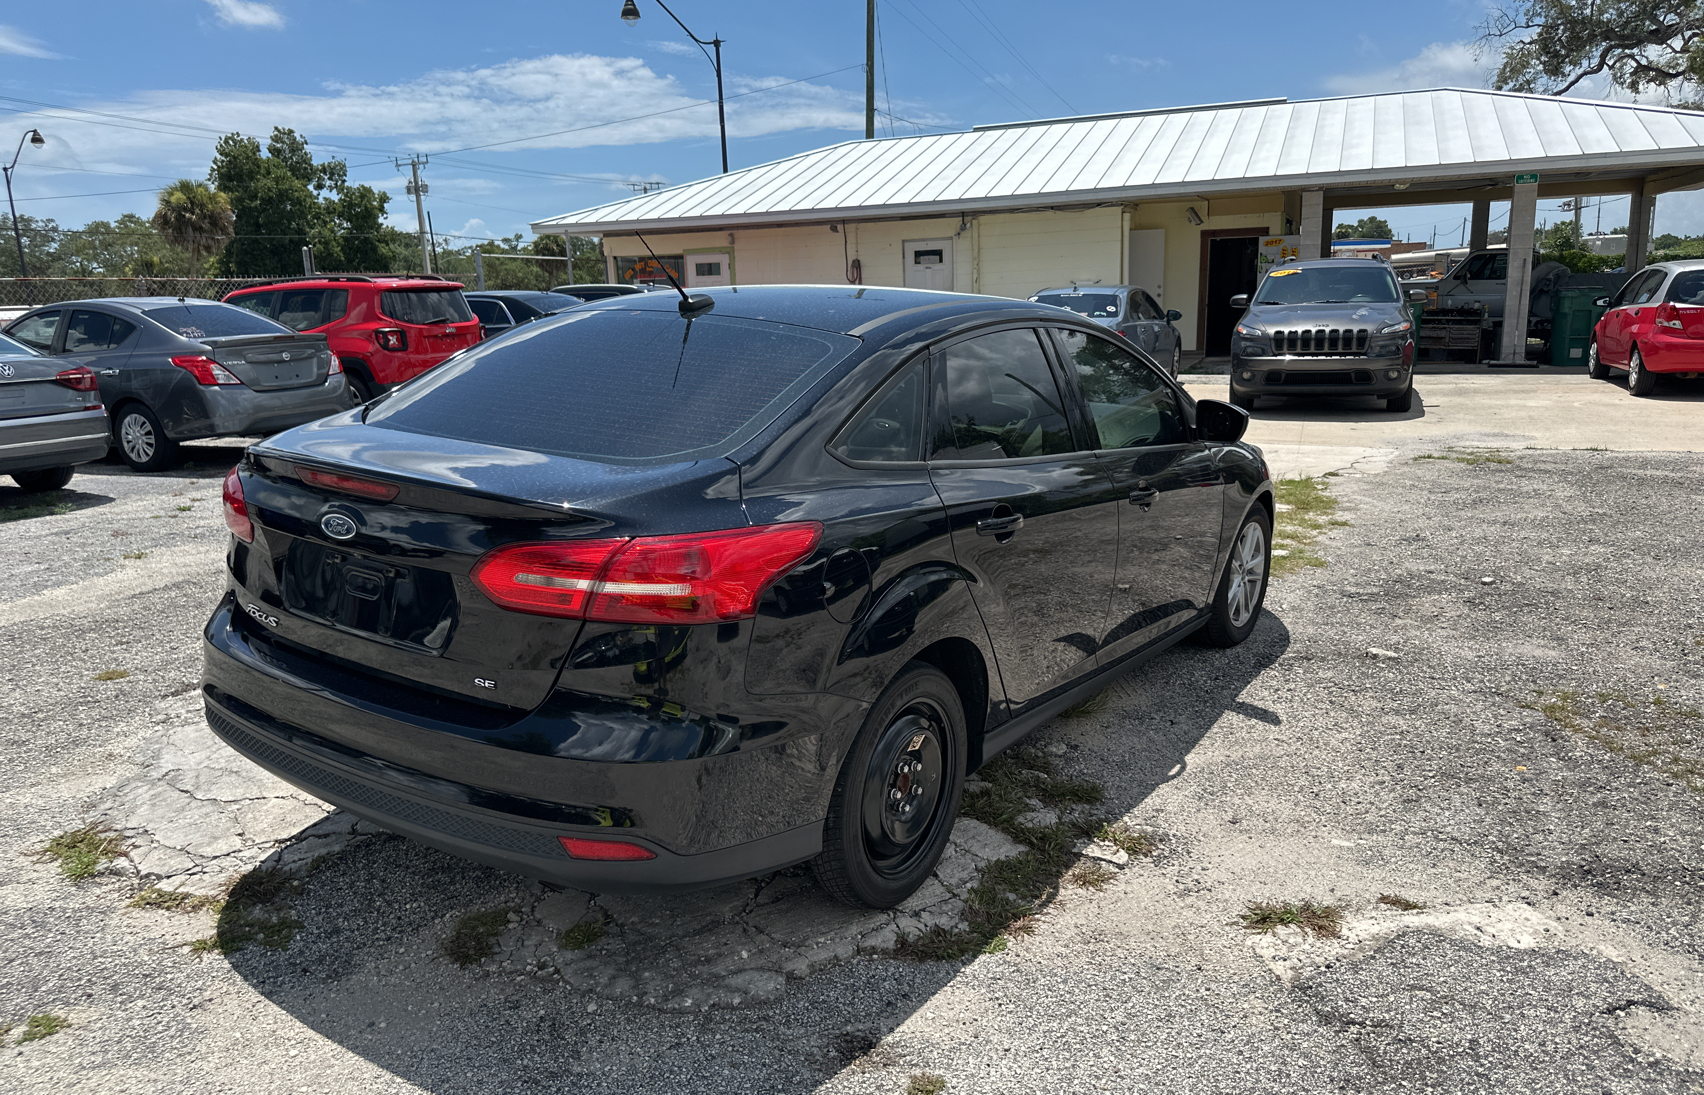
pixel 847 309
pixel 1359 264
pixel 342 281
pixel 137 304
pixel 512 293
pixel 1678 264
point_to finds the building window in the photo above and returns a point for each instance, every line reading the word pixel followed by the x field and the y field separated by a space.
pixel 646 270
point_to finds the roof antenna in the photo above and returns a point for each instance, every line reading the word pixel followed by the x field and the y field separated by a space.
pixel 689 305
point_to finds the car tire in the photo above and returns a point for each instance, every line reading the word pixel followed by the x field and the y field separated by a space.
pixel 1640 380
pixel 1177 357
pixel 1242 589
pixel 1595 367
pixel 1401 404
pixel 141 440
pixel 1245 402
pixel 45 479
pixel 360 388
pixel 898 792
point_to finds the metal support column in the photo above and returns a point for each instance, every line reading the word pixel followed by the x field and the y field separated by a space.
pixel 1480 226
pixel 1523 214
pixel 1639 208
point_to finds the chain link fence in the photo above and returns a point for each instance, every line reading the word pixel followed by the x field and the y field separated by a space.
pixel 32 292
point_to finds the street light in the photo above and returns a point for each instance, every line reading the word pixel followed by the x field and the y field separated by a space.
pixel 630 16
pixel 36 141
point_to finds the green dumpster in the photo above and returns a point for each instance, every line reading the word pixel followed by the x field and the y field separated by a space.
pixel 1572 322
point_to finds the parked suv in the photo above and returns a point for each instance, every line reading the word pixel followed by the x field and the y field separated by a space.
pixel 385 330
pixel 1325 327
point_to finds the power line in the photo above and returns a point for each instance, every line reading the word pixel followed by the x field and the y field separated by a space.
pixel 101 194
pixel 1000 38
pixel 986 77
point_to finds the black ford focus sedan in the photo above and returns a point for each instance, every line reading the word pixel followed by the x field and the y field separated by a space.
pixel 666 592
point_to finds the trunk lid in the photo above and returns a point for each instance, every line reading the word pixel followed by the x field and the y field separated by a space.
pixel 269 363
pixel 383 585
pixel 29 387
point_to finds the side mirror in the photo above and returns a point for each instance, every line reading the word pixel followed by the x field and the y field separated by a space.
pixel 1417 296
pixel 1173 315
pixel 1220 422
pixel 1601 302
pixel 1240 301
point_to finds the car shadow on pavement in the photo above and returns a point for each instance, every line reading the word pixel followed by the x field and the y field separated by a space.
pixel 199 460
pixel 422 963
pixel 19 505
pixel 1348 408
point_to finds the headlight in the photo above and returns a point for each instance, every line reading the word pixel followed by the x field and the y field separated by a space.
pixel 1393 328
pixel 1250 330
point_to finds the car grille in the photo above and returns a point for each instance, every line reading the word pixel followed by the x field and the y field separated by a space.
pixel 1302 378
pixel 1316 342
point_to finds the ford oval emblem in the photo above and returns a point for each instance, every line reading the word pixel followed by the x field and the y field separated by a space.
pixel 337 526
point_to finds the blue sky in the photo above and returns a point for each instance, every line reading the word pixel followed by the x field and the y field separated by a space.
pixel 534 109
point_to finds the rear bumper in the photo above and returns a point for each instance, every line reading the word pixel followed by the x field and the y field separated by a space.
pixel 506 807
pixel 1321 375
pixel 234 410
pixel 53 440
pixel 1666 354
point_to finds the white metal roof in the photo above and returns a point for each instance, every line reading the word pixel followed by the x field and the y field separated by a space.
pixel 1185 152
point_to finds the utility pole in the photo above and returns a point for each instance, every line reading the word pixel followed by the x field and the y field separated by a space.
pixel 418 190
pixel 870 69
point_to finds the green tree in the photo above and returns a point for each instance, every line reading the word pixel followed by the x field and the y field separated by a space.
pixel 1367 228
pixel 1561 236
pixel 1549 46
pixel 128 247
pixel 194 218
pixel 41 236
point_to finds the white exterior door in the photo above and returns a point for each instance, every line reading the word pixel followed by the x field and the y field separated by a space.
pixel 711 269
pixel 929 264
pixel 1148 261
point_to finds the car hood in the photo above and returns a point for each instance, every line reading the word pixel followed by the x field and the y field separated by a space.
pixel 1330 315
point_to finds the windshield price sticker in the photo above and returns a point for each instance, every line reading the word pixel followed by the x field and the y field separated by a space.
pixel 1282 273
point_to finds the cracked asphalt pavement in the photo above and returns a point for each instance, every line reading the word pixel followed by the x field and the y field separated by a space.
pixel 1523 756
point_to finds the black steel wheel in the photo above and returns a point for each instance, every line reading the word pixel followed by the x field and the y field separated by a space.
pixel 898 793
pixel 1242 589
pixel 46 479
pixel 1640 380
pixel 142 441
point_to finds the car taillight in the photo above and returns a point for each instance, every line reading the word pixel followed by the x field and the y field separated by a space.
pixel 1669 316
pixel 206 371
pixel 607 850
pixel 348 484
pixel 78 379
pixel 391 338
pixel 236 509
pixel 336 366
pixel 700 577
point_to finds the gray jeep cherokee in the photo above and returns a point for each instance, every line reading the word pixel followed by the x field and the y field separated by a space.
pixel 1325 327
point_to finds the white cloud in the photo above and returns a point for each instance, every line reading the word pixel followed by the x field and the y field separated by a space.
pixel 247 13
pixel 17 43
pixel 680 49
pixel 1136 62
pixel 1441 64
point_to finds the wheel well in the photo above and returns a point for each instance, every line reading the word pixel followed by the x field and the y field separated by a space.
pixel 117 410
pixel 962 663
pixel 358 366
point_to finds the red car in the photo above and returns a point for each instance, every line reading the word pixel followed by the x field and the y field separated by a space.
pixel 385 330
pixel 1655 325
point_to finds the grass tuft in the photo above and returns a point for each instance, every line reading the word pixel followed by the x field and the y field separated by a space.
pixel 43 1025
pixel 1298 528
pixel 175 901
pixel 926 1083
pixel 1132 842
pixel 111 675
pixel 1087 708
pixel 475 937
pixel 580 936
pixel 135 555
pixel 1657 733
pixel 39 506
pixel 256 909
pixel 1397 901
pixel 1469 456
pixel 81 853
pixel 1090 876
pixel 1324 921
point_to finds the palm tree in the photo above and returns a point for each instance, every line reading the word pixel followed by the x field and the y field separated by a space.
pixel 195 217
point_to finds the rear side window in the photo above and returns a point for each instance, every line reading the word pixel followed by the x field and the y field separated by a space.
pixel 1001 400
pixel 258 303
pixel 1648 288
pixel 90 331
pixel 489 311
pixel 890 428
pixel 300 309
pixel 424 306
pixel 36 331
pixel 210 320
pixel 619 387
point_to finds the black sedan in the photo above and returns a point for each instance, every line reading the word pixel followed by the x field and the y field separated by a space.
pixel 666 593
pixel 501 310
pixel 172 369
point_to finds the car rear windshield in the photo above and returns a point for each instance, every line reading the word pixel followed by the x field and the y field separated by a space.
pixel 210 320
pixel 13 346
pixel 1369 284
pixel 423 306
pixel 619 386
pixel 1093 305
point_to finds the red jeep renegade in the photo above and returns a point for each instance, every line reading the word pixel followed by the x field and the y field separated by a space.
pixel 384 329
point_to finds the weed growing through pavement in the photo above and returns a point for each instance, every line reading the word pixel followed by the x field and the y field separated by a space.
pixel 1325 921
pixel 1003 902
pixel 580 936
pixel 40 506
pixel 1088 708
pixel 81 853
pixel 1658 733
pixel 1469 456
pixel 1305 509
pixel 1090 876
pixel 111 675
pixel 926 1083
pixel 1132 842
pixel 175 900
pixel 256 909
pixel 135 555
pixel 42 1025
pixel 475 937
pixel 1397 901
pixel 184 509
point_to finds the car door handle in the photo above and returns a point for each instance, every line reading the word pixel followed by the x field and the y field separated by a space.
pixel 1000 526
pixel 1143 498
pixel 109 372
